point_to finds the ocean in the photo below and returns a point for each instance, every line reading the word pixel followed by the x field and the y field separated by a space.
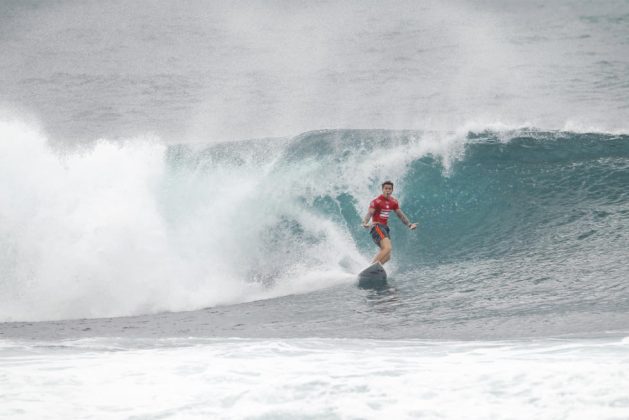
pixel 182 187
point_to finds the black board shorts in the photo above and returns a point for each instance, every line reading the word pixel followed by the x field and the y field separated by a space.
pixel 379 232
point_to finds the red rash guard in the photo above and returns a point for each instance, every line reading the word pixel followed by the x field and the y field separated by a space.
pixel 383 207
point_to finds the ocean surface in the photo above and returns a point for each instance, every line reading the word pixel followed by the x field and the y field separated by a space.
pixel 182 186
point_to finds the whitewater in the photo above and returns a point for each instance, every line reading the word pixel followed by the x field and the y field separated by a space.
pixel 181 192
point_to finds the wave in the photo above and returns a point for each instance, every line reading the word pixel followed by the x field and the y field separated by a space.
pixel 139 227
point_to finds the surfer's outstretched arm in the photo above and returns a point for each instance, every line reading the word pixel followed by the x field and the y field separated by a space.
pixel 405 220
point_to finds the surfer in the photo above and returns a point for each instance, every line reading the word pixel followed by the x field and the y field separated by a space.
pixel 379 210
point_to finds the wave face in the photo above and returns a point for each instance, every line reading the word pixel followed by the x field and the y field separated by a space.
pixel 529 194
pixel 511 221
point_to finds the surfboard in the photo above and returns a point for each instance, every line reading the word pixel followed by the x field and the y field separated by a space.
pixel 372 276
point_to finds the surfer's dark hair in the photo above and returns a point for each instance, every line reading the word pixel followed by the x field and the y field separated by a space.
pixel 387 183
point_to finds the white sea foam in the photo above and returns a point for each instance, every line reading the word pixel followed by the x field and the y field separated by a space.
pixel 113 230
pixel 315 378
pixel 118 229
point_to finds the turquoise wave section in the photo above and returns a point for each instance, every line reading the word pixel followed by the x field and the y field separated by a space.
pixel 495 194
pixel 544 193
pixel 533 192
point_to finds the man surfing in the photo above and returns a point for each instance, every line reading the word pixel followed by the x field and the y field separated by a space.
pixel 379 210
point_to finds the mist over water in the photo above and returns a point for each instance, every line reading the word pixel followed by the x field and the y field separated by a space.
pixel 199 71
